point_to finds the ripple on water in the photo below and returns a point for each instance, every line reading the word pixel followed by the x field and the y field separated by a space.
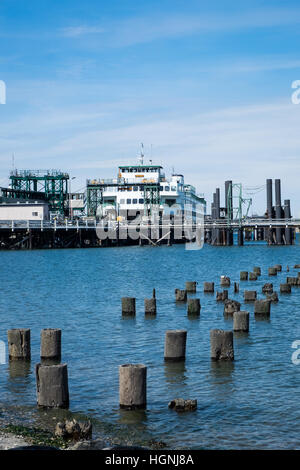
pixel 251 403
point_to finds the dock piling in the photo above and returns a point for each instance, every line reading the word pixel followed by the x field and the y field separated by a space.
pixel 52 386
pixel 133 386
pixel 175 345
pixel 19 344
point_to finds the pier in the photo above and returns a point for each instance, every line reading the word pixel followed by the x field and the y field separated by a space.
pixel 25 234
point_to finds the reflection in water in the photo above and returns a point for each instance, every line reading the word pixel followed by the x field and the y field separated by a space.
pixel 132 416
pixel 19 376
pixel 129 318
pixel 241 336
pixel 233 414
pixel 175 372
pixel 18 369
pixel 221 371
pixel 150 316
pixel 264 318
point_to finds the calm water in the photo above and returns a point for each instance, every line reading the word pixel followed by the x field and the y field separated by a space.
pixel 252 403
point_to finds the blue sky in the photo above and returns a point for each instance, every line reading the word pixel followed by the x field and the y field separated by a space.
pixel 205 85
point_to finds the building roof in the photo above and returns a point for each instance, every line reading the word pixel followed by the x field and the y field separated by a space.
pixel 141 167
pixel 23 204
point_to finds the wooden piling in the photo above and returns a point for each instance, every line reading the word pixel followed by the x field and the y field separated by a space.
pixel 52 386
pixel 19 344
pixel 133 386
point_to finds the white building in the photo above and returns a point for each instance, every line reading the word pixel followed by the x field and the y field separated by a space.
pixel 24 211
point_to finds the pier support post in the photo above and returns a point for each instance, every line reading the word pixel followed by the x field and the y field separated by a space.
pixel 175 345
pixel 240 237
pixel 285 288
pixel 250 295
pixel 252 277
pixel 133 386
pixel 278 211
pixel 209 287
pixel 19 344
pixel 288 232
pixel 150 306
pixel 191 286
pixel 221 345
pixel 222 296
pixel 128 306
pixel 194 307
pixel 180 295
pixel 262 307
pixel 52 386
pixel 241 321
pixel 244 276
pixel 272 271
pixel 51 344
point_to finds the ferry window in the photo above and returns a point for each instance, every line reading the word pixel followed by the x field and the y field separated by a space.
pixel 173 188
pixel 128 201
pixel 167 188
pixel 122 201
pixel 141 201
pixel 35 214
pixel 134 201
pixel 161 188
pixel 135 188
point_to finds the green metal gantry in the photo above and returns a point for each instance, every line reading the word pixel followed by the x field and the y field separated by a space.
pixel 151 198
pixel 94 199
pixel 235 203
pixel 52 183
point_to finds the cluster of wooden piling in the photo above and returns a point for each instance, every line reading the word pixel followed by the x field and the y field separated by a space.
pixel 52 375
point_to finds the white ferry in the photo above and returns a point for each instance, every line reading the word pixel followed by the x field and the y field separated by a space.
pixel 143 188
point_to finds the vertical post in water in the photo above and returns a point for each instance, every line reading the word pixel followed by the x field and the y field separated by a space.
pixel 133 386
pixel 218 215
pixel 228 207
pixel 278 210
pixel 213 217
pixel 19 344
pixel 175 345
pixel 51 344
pixel 52 386
pixel 240 237
pixel 269 231
pixel 287 215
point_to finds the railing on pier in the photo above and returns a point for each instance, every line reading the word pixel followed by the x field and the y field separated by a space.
pixel 251 223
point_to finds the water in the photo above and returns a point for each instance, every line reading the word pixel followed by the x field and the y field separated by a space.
pixel 251 403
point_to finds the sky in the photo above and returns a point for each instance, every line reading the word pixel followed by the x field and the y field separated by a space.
pixel 205 86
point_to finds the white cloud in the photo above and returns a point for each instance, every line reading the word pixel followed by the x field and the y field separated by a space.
pixel 81 30
pixel 247 144
pixel 136 30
